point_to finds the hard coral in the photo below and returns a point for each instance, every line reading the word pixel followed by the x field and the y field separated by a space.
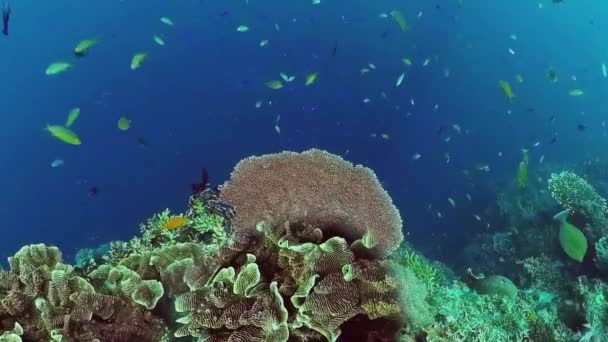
pixel 313 188
pixel 578 196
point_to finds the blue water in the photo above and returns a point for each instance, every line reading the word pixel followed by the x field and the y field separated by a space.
pixel 193 101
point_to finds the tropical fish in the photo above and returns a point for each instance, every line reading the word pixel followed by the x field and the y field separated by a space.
pixel 406 61
pixel 519 79
pixel 572 240
pixel 56 163
pixel 158 40
pixel 242 28
pixel 277 129
pixel 57 68
pixel 399 80
pixel 452 202
pixel 552 75
pixel 137 59
pixel 72 116
pixel 506 89
pixel 287 78
pixel 311 78
pixel 264 43
pixel 400 20
pixel 123 124
pixel 64 134
pixel 6 17
pixel 166 21
pixel 274 84
pixel 175 222
pixel 604 71
pixel 576 92
pixel 83 46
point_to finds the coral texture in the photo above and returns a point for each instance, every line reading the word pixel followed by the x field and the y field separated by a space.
pixel 315 187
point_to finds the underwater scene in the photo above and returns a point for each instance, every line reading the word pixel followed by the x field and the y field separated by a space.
pixel 304 170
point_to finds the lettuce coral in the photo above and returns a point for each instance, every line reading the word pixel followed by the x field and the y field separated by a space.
pixel 286 281
pixel 51 302
pixel 317 188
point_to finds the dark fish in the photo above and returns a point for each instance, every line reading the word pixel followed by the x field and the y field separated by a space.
pixel 141 141
pixel 93 191
pixel 197 188
pixel 552 119
pixel 384 34
pixel 223 13
pixel 581 127
pixel 553 139
pixel 6 16
pixel 334 51
pixel 440 130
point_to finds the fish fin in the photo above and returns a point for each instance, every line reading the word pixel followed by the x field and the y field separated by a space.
pixel 562 216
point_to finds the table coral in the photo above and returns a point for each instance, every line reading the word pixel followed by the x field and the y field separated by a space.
pixel 313 187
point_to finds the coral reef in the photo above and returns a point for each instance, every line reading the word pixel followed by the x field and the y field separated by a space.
pixel 308 247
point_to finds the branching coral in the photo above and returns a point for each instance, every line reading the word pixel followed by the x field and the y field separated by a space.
pixel 543 273
pixel 575 194
pixel 207 220
pixel 317 188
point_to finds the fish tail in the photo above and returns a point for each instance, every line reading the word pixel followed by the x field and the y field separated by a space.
pixel 562 216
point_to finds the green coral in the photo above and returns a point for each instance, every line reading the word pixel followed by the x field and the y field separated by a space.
pixel 465 315
pixel 13 335
pixel 595 306
pixel 420 267
pixel 205 222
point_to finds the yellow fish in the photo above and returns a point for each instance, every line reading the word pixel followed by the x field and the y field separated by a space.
pixel 138 58
pixel 576 92
pixel 72 116
pixel 64 134
pixel 175 222
pixel 506 89
pixel 398 17
pixel 83 46
pixel 311 78
pixel 123 124
pixel 57 68
pixel 274 84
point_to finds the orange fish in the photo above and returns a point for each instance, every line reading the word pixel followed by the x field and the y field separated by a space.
pixel 175 222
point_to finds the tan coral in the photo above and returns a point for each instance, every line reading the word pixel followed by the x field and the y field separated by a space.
pixel 313 188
